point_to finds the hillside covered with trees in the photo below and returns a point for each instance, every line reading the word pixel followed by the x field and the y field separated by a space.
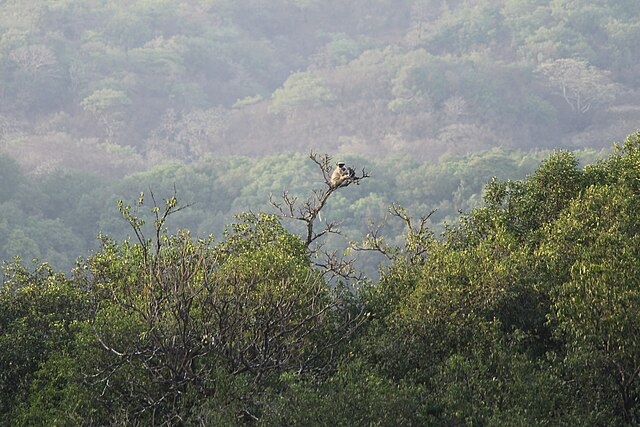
pixel 484 271
pixel 223 100
pixel 116 87
pixel 525 313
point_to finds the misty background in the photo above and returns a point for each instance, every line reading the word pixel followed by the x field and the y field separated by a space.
pixel 223 100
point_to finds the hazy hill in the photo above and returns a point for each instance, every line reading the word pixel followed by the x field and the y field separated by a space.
pixel 116 87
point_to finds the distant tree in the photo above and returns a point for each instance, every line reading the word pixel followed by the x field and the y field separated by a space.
pixel 20 244
pixel 34 58
pixel 301 89
pixel 466 26
pixel 37 81
pixel 420 82
pixel 11 177
pixel 108 106
pixel 580 84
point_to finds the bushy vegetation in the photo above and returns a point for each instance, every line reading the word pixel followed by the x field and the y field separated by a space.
pixel 523 313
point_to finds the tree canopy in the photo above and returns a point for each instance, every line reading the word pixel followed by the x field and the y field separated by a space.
pixel 522 312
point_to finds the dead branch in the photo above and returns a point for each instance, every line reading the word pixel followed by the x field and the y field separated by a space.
pixel 417 237
pixel 308 210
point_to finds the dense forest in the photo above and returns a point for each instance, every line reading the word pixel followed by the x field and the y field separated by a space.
pixel 223 100
pixel 173 252
pixel 525 312
pixel 116 87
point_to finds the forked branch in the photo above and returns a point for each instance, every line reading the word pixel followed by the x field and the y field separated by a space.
pixel 417 236
pixel 308 210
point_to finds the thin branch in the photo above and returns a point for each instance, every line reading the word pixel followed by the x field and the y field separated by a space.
pixel 416 236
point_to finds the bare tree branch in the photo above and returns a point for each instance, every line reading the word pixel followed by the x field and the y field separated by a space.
pixel 417 237
pixel 308 210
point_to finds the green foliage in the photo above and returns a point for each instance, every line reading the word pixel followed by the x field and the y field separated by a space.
pixel 524 206
pixel 532 295
pixel 525 312
pixel 468 27
pixel 494 383
pixel 199 329
pixel 105 100
pixel 301 89
pixel 416 77
pixel 41 313
pixel 591 256
pixel 56 217
pixel 355 395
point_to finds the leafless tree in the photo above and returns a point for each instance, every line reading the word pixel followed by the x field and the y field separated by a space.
pixel 417 237
pixel 34 58
pixel 580 84
pixel 308 210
